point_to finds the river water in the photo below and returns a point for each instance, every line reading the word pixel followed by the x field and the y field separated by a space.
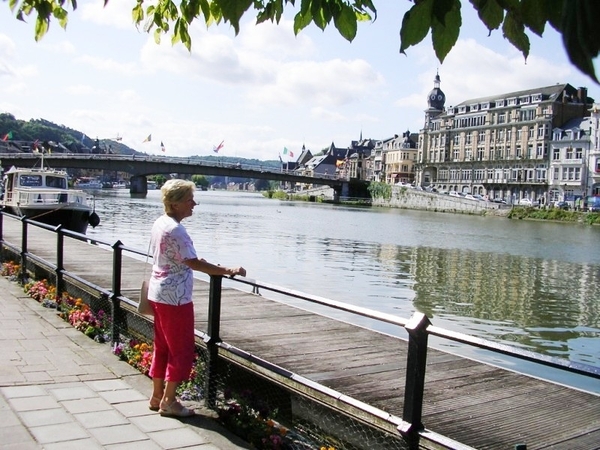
pixel 535 285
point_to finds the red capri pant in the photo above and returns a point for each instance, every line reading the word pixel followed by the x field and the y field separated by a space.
pixel 173 355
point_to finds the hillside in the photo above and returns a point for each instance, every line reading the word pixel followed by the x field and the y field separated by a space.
pixel 25 136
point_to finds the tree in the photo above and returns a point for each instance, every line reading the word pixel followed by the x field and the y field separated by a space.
pixel 200 180
pixel 575 20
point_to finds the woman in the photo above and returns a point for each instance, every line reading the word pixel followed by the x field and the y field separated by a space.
pixel 170 294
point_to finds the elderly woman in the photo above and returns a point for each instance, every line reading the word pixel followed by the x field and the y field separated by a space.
pixel 170 293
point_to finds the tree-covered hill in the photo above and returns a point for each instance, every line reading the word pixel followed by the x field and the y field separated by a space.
pixel 23 136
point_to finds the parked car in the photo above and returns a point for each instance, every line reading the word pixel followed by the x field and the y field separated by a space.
pixel 455 194
pixel 499 200
pixel 470 197
pixel 527 202
pixel 561 205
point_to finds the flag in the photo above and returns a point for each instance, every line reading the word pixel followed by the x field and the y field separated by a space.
pixel 288 152
pixel 162 146
pixel 148 139
pixel 7 136
pixel 218 147
pixel 35 145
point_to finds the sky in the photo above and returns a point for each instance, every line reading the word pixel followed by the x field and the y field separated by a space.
pixel 260 91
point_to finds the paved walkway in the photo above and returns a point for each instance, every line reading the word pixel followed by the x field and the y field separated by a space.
pixel 61 390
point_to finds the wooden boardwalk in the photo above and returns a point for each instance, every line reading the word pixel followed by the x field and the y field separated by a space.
pixel 470 402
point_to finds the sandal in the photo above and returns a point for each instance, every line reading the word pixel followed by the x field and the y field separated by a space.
pixel 154 401
pixel 175 409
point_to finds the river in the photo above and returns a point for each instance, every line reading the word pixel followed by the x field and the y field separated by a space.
pixel 535 285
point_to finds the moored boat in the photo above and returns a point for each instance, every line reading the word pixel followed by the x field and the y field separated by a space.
pixel 42 194
pixel 88 183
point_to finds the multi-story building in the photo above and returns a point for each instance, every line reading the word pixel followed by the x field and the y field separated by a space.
pixel 593 157
pixel 497 146
pixel 568 175
pixel 400 155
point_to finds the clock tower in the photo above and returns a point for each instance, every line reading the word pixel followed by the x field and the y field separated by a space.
pixel 436 100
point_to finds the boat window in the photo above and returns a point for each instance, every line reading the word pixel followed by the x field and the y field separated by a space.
pixel 56 182
pixel 30 180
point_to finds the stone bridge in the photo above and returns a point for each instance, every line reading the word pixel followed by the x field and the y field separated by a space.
pixel 141 166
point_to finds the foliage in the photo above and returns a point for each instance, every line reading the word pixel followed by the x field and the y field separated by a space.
pixel 95 325
pixel 251 418
pixel 575 20
pixel 137 354
pixel 200 180
pixel 10 269
pixel 193 388
pixel 380 190
pixel 40 290
pixel 556 214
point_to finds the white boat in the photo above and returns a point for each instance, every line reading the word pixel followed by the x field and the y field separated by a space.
pixel 151 185
pixel 42 194
pixel 87 183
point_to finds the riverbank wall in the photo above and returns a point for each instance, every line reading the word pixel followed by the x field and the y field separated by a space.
pixel 406 198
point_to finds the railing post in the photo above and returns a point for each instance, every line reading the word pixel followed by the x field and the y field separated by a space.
pixel 117 315
pixel 60 239
pixel 1 235
pixel 415 376
pixel 213 330
pixel 23 251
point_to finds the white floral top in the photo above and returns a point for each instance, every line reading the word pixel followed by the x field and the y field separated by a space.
pixel 171 281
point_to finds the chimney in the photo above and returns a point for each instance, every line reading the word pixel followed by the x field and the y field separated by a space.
pixel 582 95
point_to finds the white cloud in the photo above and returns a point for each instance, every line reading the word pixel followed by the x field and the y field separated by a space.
pixel 109 65
pixel 116 13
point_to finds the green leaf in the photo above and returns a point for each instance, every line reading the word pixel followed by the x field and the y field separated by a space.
pixel 157 36
pixel 415 24
pixel 317 14
pixel 233 10
pixel 444 33
pixel 137 14
pixel 301 21
pixel 581 36
pixel 489 12
pixel 345 23
pixel 514 31
pixel 535 14
pixel 41 27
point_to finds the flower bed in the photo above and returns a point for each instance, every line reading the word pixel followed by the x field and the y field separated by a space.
pixel 243 412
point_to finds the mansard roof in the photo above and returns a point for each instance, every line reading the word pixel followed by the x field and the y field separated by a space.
pixel 551 93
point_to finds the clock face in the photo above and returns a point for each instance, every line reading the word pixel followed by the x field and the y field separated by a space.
pixel 432 96
pixel 440 97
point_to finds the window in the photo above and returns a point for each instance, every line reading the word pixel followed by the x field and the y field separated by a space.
pixel 30 180
pixel 556 154
pixel 578 153
pixel 502 118
pixel 481 136
pixel 540 174
pixel 569 153
pixel 598 165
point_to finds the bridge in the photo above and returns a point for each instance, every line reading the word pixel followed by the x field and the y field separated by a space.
pixel 141 166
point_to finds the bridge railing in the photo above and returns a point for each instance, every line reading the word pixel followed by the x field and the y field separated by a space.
pixel 418 327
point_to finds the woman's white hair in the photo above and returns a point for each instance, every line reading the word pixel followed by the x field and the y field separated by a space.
pixel 174 191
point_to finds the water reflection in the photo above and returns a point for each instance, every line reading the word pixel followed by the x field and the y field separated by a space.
pixel 530 284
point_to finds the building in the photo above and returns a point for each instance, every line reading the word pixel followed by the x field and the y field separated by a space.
pixel 568 175
pixel 497 146
pixel 400 156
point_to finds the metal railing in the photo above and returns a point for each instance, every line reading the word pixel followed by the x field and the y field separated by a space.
pixel 418 327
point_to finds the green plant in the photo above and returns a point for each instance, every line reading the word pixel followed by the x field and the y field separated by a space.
pixel 380 190
pixel 10 269
pixel 137 354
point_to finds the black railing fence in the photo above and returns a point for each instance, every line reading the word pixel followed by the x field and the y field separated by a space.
pixel 410 428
